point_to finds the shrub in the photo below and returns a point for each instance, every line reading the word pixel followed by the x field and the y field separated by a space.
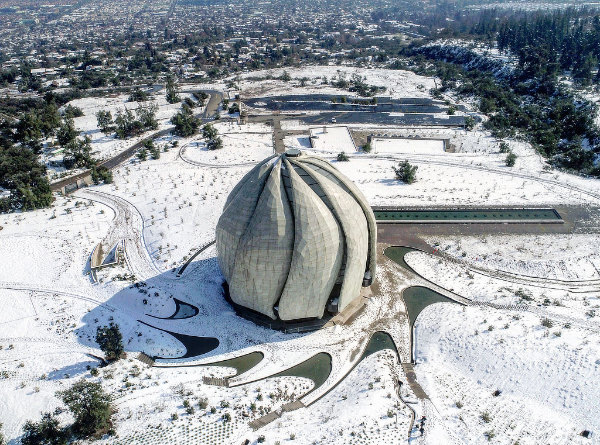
pixel 202 403
pixel 486 417
pixel 459 404
pixel 504 148
pixel 510 159
pixel 406 172
pixel 214 144
pixel 342 157
pixel 110 340
pixel 546 322
pixel 367 147
pixel 260 439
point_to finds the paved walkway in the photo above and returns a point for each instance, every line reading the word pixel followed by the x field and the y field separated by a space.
pixel 412 381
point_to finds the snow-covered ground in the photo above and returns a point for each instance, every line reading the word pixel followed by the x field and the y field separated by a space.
pixel 165 209
pixel 398 84
pixel 409 146
pixel 328 138
pixel 547 376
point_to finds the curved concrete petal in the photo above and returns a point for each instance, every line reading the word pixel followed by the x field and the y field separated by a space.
pixel 356 234
pixel 245 179
pixel 360 199
pixel 317 256
pixel 264 253
pixel 236 217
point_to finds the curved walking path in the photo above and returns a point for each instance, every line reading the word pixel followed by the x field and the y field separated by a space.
pixel 62 293
pixel 129 226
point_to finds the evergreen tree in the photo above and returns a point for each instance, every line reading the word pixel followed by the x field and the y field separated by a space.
pixel 171 89
pixel 110 340
pixel 510 159
pixel 29 132
pixel 406 172
pixel 105 121
pixel 23 174
pixel 90 406
pixel 186 124
pixel 215 143
pixel 45 432
pixel 49 119
pixel 209 131
pixel 67 132
pixel 77 153
pixel 146 115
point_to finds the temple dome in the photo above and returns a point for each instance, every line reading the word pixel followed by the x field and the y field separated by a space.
pixel 296 236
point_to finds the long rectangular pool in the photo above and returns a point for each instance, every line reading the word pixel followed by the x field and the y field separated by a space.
pixel 468 216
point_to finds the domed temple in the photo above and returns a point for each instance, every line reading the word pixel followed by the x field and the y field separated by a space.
pixel 296 239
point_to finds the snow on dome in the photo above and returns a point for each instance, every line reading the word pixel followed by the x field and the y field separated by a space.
pixel 295 235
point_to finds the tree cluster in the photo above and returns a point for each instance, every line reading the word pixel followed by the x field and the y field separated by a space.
pixel 186 124
pixel 92 411
pixel 128 123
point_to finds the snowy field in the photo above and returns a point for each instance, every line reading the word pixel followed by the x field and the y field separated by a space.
pixel 412 146
pixel 398 84
pixel 336 139
pixel 163 210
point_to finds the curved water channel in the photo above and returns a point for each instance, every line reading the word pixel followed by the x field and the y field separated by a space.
pixel 183 310
pixel 416 298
